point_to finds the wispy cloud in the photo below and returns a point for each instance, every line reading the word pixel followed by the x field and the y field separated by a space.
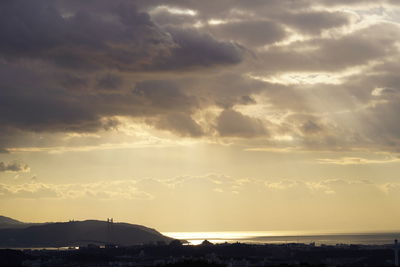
pixel 99 190
pixel 358 161
pixel 14 167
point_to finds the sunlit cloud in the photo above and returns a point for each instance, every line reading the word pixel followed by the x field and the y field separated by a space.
pixel 358 161
pixel 175 10
pixel 98 190
pixel 196 106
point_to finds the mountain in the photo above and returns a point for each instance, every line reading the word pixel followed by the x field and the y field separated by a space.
pixel 79 233
pixel 6 222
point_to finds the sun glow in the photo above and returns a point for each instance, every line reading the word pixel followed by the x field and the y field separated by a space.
pixel 196 238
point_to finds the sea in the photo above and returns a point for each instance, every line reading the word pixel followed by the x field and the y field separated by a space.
pixel 286 237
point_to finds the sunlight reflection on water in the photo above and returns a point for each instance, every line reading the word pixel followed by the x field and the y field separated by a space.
pixel 274 237
pixel 196 238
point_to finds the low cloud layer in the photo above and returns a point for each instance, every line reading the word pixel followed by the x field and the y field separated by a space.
pixel 308 204
pixel 124 190
pixel 180 186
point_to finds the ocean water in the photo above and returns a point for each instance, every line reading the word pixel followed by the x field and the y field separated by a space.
pixel 283 237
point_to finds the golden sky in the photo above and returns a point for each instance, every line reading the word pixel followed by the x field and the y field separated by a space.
pixel 202 115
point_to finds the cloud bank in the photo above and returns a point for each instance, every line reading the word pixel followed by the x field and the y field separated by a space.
pixel 320 75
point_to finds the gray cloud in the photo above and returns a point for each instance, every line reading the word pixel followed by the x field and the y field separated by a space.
pixel 316 21
pixel 163 94
pixel 196 49
pixel 333 54
pixel 13 167
pixel 81 40
pixel 179 123
pixel 162 17
pixel 358 2
pixel 109 82
pixel 123 38
pixel 253 33
pixel 310 127
pixel 73 66
pixel 76 57
pixel 226 90
pixel 235 124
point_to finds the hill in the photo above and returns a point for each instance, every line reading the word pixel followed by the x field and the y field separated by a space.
pixel 6 223
pixel 7 220
pixel 79 233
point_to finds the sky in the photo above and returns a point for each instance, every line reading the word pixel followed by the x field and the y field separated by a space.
pixel 187 115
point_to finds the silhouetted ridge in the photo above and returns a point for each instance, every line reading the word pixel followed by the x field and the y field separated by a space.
pixel 8 220
pixel 6 223
pixel 78 233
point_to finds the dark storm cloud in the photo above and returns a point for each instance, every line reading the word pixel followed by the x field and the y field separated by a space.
pixel 194 49
pixel 109 82
pixel 37 29
pixel 33 102
pixel 72 81
pixel 120 38
pixel 63 65
pixel 25 104
pixel 75 66
pixel 163 94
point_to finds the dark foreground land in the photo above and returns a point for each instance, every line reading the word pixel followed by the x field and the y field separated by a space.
pixel 206 254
